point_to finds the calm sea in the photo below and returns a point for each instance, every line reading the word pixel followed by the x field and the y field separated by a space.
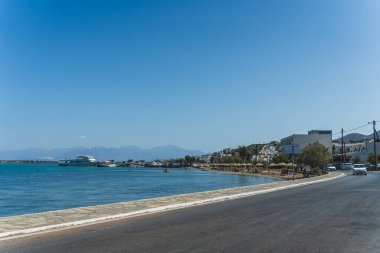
pixel 43 187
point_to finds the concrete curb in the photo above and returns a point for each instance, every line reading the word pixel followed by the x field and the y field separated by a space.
pixel 24 232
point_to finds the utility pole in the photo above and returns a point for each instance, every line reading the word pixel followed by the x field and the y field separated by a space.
pixel 293 159
pixel 374 142
pixel 342 148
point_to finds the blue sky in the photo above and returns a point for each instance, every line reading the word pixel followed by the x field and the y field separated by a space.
pixel 198 74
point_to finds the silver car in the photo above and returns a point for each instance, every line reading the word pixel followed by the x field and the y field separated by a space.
pixel 330 167
pixel 359 169
pixel 347 166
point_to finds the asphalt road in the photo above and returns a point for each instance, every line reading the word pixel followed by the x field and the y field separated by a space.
pixel 337 216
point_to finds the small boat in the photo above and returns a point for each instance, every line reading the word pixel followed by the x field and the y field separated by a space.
pixel 108 164
pixel 166 170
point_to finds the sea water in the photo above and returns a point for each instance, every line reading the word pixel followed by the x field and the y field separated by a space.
pixel 31 188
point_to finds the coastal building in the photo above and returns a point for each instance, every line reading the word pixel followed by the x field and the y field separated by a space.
pixel 267 152
pixel 361 150
pixel 300 141
pixel 204 158
pixel 349 147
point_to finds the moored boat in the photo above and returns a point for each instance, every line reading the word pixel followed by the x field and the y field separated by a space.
pixel 82 161
pixel 109 164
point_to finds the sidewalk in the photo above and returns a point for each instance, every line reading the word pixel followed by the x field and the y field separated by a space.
pixel 38 222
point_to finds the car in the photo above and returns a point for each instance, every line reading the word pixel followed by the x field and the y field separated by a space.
pixel 346 166
pixel 330 167
pixel 369 166
pixel 359 169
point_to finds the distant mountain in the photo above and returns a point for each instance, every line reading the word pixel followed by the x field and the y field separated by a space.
pixel 100 153
pixel 355 137
pixel 370 136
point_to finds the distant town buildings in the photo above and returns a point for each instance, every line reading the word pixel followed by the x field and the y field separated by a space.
pixel 259 153
pixel 351 150
pixel 300 141
pixel 267 152
pixel 350 147
pixel 205 158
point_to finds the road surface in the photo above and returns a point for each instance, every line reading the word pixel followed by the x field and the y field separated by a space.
pixel 337 216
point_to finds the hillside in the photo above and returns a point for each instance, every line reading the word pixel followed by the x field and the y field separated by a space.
pixel 355 137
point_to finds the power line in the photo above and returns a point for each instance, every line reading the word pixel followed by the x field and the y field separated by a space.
pixel 356 128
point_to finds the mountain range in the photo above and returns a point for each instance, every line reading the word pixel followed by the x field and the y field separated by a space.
pixel 100 153
pixel 355 137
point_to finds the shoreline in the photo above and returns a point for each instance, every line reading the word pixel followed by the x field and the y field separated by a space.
pixel 127 185
pixel 258 174
pixel 24 225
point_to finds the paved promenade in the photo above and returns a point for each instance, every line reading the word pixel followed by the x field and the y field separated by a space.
pixel 38 222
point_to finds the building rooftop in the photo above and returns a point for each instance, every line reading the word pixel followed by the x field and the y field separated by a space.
pixel 319 132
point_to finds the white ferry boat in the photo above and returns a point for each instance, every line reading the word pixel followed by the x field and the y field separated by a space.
pixel 82 160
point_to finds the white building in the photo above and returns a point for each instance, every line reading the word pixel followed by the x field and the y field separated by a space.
pixel 205 158
pixel 349 147
pixel 300 141
pixel 361 150
pixel 266 154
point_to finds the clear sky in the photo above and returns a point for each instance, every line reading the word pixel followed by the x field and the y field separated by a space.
pixel 198 74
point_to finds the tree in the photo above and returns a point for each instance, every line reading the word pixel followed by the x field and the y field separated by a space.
pixel 315 155
pixel 371 158
pixel 245 153
pixel 356 159
pixel 190 159
pixel 281 158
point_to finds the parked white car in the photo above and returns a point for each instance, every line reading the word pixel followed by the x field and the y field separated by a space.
pixel 359 169
pixel 330 167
